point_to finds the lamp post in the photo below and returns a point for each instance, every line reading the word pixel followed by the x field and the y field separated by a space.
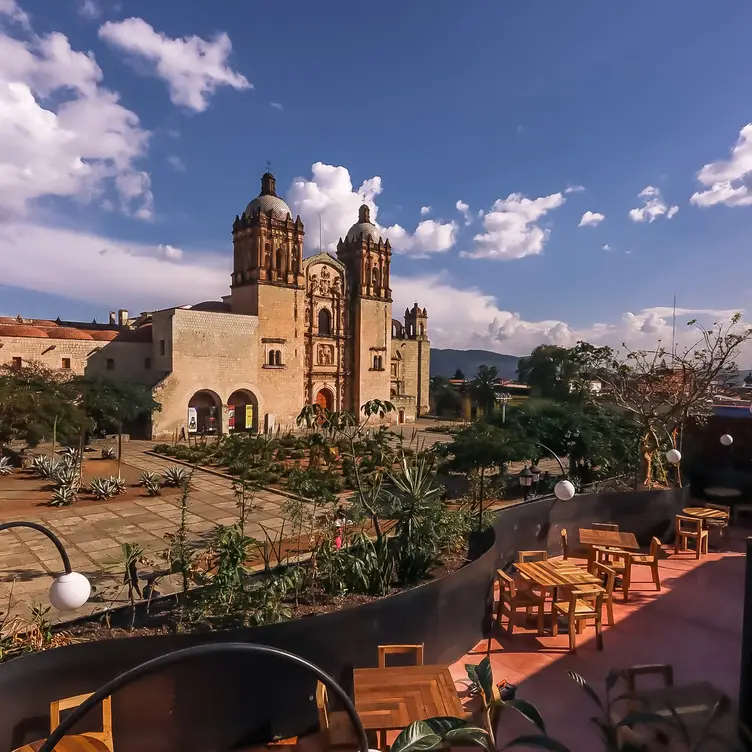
pixel 504 398
pixel 564 490
pixel 536 471
pixel 70 590
pixel 149 667
pixel 526 480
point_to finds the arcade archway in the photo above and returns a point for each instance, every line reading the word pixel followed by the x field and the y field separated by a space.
pixel 325 398
pixel 243 411
pixel 205 413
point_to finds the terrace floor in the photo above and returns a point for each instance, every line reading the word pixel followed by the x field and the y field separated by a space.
pixel 694 623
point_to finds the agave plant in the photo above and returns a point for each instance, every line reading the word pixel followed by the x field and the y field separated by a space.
pixel 175 476
pixel 108 453
pixel 102 488
pixel 5 467
pixel 149 477
pixel 118 484
pixel 66 476
pixel 63 496
pixel 153 486
pixel 44 466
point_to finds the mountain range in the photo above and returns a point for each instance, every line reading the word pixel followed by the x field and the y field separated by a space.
pixel 444 362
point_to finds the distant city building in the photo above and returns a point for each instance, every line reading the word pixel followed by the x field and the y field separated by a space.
pixel 292 331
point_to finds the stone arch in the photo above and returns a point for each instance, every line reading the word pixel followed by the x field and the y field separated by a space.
pixel 325 398
pixel 244 419
pixel 205 406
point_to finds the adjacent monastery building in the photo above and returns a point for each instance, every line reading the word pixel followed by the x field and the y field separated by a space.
pixel 292 331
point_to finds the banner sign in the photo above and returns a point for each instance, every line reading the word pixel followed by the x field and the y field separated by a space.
pixel 248 417
pixel 192 420
pixel 231 417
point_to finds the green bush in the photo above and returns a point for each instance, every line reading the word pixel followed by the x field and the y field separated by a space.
pixel 297 454
pixel 162 448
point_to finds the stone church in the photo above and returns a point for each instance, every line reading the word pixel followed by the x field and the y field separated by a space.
pixel 292 331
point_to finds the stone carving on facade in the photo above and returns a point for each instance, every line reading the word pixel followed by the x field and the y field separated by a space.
pixel 307 316
pixel 325 355
pixel 337 286
pixel 325 281
pixel 314 284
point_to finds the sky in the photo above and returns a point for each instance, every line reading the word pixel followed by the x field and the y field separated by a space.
pixel 546 171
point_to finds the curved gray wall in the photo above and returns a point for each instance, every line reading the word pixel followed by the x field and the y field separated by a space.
pixel 226 702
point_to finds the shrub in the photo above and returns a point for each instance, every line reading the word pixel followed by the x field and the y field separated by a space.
pixel 297 454
pixel 118 484
pixel 5 467
pixel 102 488
pixel 153 486
pixel 162 448
pixel 63 496
pixel 44 466
pixel 63 475
pixel 175 476
pixel 148 477
pixel 108 453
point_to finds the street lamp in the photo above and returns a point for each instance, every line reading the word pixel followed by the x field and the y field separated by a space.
pixel 564 490
pixel 70 590
pixel 504 398
pixel 526 480
pixel 673 456
pixel 727 439
pixel 536 471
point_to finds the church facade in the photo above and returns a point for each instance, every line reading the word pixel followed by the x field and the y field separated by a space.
pixel 292 331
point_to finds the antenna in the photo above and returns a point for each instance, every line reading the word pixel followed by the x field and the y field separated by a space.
pixel 673 334
pixel 268 166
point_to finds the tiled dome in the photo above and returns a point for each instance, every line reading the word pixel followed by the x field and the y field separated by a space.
pixel 364 227
pixel 21 330
pixel 264 204
pixel 64 332
pixel 103 335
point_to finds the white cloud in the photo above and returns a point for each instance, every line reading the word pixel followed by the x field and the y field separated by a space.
pixel 591 219
pixel 726 181
pixel 89 9
pixel 424 210
pixel 11 10
pixel 606 247
pixel 653 207
pixel 574 189
pixel 176 163
pixel 464 210
pixel 62 133
pixel 193 68
pixel 511 229
pixel 83 266
pixel 330 193
pixel 276 105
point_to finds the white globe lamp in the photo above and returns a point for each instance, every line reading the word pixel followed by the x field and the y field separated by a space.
pixel 69 591
pixel 564 490
pixel 727 439
pixel 673 456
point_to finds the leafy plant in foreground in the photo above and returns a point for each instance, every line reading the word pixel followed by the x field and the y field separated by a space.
pixel 5 467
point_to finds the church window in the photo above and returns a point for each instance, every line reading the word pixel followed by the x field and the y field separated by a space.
pixel 422 330
pixel 271 357
pixel 66 364
pixel 375 276
pixel 279 260
pixel 17 362
pixel 325 322
pixel 278 357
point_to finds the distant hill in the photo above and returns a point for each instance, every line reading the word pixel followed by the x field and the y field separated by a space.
pixel 446 362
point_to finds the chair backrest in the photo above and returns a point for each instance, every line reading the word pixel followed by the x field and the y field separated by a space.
pixel 415 650
pixel 609 577
pixel 663 669
pixel 506 584
pixel 610 526
pixel 532 556
pixel 589 594
pixel 721 507
pixel 655 547
pixel 564 544
pixel 105 735
pixel 321 706
pixel 692 525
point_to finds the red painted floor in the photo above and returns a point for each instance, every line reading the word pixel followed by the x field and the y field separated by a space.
pixel 693 623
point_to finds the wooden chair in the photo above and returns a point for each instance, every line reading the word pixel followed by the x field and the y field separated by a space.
pixel 720 525
pixel 415 650
pixel 610 526
pixel 690 528
pixel 650 560
pixel 336 727
pixel 618 560
pixel 514 599
pixel 609 581
pixel 568 552
pixel 104 736
pixel 584 604
pixel 532 556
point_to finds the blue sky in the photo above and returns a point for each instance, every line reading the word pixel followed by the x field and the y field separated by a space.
pixel 480 103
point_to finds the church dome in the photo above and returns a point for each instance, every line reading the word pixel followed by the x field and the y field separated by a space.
pixel 268 200
pixel 65 332
pixel 21 330
pixel 364 227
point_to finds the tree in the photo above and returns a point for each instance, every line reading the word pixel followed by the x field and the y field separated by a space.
pixel 663 391
pixel 459 375
pixel 482 447
pixel 37 404
pixel 549 369
pixel 483 387
pixel 444 396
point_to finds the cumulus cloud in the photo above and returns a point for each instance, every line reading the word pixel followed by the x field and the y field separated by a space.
pixel 329 193
pixel 62 133
pixel 464 210
pixel 591 219
pixel 511 227
pixel 192 67
pixel 11 10
pixel 726 181
pixel 424 210
pixel 606 247
pixel 574 189
pixel 653 207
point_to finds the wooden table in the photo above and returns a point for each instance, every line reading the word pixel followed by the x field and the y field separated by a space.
pixel 392 698
pixel 555 574
pixel 610 538
pixel 704 513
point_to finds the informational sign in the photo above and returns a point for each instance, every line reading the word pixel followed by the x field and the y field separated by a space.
pixel 231 417
pixel 192 420
pixel 248 417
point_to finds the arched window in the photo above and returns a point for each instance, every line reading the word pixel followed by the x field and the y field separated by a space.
pixel 375 362
pixel 375 276
pixel 268 251
pixel 278 357
pixel 271 357
pixel 325 322
pixel 422 330
pixel 279 261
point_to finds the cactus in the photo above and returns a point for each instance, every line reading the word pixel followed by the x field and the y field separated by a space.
pixel 63 496
pixel 175 476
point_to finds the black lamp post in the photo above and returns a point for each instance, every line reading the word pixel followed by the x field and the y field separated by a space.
pixel 526 480
pixel 69 590
pixel 536 471
pixel 155 664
